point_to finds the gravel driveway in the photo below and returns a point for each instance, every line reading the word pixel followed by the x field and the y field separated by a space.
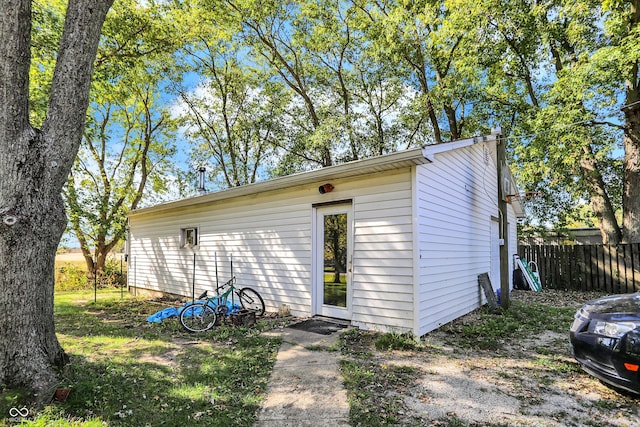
pixel 532 381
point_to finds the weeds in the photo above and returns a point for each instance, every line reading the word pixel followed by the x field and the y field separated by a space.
pixel 453 421
pixel 376 392
pixel 555 364
pixel 71 277
pixel 489 331
pixel 375 389
pixel 74 276
pixel 125 371
pixel 395 341
pixel 357 343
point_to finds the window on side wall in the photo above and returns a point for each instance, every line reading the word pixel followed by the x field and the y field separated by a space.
pixel 189 237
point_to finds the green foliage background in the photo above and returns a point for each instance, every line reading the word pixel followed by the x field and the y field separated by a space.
pixel 254 89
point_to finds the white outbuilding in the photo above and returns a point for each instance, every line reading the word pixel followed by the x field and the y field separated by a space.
pixel 390 243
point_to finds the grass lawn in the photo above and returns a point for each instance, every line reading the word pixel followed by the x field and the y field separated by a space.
pixel 126 371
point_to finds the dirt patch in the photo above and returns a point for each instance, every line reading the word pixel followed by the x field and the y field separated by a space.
pixel 530 382
pixel 167 359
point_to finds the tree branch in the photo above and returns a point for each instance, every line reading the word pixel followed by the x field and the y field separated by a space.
pixel 69 97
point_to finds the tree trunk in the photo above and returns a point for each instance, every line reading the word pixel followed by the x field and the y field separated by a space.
pixel 631 191
pixel 27 255
pixel 33 169
pixel 600 201
pixel 631 194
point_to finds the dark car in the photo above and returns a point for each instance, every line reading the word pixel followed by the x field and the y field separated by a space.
pixel 605 339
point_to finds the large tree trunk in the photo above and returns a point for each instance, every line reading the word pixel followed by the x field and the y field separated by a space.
pixel 33 169
pixel 29 237
pixel 631 193
pixel 600 201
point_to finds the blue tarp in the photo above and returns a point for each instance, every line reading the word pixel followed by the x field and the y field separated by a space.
pixel 164 314
pixel 175 312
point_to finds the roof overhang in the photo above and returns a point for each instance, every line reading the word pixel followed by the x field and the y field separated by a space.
pixel 429 151
pixel 383 163
pixel 397 160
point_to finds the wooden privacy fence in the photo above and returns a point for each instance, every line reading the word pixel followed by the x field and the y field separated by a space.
pixel 608 268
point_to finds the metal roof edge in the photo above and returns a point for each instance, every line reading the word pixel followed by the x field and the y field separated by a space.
pixel 344 170
pixel 429 151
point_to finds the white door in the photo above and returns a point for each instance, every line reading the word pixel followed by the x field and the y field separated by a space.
pixel 332 282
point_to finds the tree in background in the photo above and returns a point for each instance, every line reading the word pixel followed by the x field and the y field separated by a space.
pixel 435 56
pixel 126 149
pixel 271 31
pixel 34 165
pixel 554 80
pixel 362 97
pixel 347 101
pixel 231 115
pixel 365 78
pixel 129 135
pixel 596 68
pixel 623 56
pixel 538 50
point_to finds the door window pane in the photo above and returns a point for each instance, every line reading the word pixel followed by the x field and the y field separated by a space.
pixel 335 260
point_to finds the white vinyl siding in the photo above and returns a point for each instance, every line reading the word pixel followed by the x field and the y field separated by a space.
pixel 269 237
pixel 267 240
pixel 456 198
pixel 383 249
pixel 421 236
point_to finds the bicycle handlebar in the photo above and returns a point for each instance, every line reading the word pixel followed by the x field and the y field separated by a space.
pixel 227 283
pixel 224 285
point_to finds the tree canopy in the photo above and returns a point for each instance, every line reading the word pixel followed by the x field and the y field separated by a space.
pixel 256 89
pixel 359 78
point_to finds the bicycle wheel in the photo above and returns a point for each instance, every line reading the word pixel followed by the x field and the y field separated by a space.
pixel 198 317
pixel 251 300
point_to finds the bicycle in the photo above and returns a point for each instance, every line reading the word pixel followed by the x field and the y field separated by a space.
pixel 203 315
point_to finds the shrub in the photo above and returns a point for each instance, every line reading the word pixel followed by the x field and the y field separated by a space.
pixel 74 277
pixel 112 276
pixel 71 277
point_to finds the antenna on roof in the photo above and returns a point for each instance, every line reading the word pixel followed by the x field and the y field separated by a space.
pixel 202 170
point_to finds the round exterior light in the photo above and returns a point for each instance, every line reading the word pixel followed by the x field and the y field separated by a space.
pixel 326 188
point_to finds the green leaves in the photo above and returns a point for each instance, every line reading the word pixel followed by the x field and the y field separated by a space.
pixel 129 134
pixel 269 88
